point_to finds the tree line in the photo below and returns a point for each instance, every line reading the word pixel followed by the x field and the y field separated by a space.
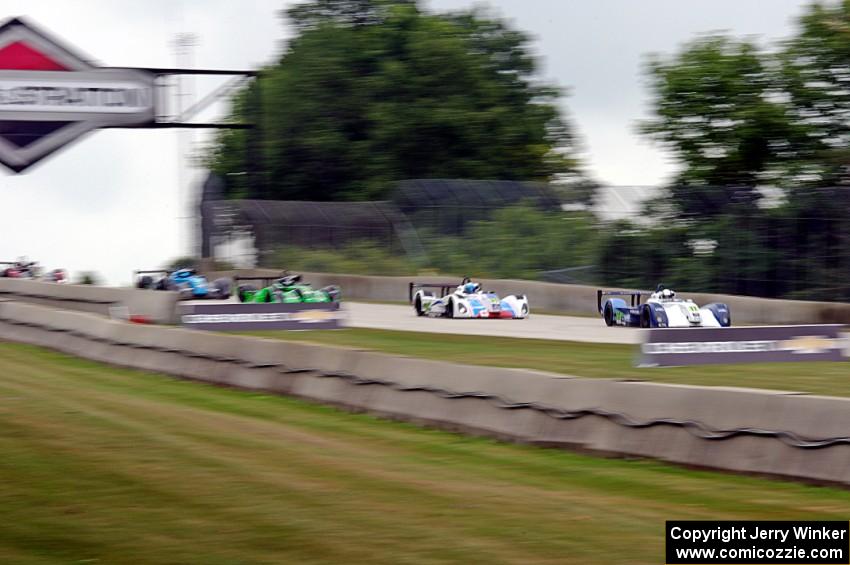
pixel 740 117
pixel 370 92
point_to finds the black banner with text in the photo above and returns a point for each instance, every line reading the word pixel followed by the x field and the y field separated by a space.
pixel 815 542
pixel 768 344
pixel 231 316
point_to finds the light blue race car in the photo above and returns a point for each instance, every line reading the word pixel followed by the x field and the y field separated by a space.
pixel 187 282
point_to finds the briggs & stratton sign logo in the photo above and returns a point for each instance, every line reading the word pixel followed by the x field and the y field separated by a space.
pixel 265 316
pixel 749 344
pixel 50 96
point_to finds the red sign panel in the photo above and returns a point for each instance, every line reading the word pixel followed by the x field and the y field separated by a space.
pixel 50 96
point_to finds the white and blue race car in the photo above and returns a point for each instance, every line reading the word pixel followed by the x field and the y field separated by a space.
pixel 661 310
pixel 465 300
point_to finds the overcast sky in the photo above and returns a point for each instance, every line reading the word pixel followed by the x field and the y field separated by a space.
pixel 112 201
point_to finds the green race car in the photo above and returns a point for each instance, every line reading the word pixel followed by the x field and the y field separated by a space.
pixel 287 289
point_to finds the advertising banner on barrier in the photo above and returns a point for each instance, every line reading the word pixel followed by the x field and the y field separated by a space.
pixel 703 346
pixel 228 316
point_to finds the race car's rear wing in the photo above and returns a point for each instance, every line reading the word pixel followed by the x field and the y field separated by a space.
pixel 445 288
pixel 136 274
pixel 634 294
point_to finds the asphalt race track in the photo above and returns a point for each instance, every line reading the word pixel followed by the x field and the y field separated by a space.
pixel 536 326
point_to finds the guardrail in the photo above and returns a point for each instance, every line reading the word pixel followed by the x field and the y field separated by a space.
pixel 756 431
pixel 575 299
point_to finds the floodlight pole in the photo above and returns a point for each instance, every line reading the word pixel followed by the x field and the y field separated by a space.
pixel 182 117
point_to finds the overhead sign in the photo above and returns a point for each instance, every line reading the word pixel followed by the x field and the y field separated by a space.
pixel 50 96
pixel 229 316
pixel 702 346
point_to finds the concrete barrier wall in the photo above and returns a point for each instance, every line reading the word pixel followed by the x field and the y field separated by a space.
pixel 159 306
pixel 572 299
pixel 474 399
pixel 578 299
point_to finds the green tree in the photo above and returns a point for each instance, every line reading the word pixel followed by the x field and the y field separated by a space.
pixel 369 92
pixel 816 74
pixel 88 277
pixel 518 242
pixel 813 236
pixel 641 257
pixel 184 262
pixel 736 117
pixel 719 109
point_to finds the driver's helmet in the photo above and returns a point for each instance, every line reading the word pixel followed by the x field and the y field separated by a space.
pixel 668 294
pixel 471 287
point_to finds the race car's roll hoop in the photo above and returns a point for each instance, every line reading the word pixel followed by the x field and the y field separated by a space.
pixel 445 288
pixel 634 294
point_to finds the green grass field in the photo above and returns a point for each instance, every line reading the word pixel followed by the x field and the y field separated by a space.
pixel 583 359
pixel 104 465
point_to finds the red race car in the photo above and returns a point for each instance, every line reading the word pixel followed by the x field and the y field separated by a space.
pixel 20 269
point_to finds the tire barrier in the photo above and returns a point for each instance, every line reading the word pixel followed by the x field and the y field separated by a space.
pixel 755 431
pixel 578 299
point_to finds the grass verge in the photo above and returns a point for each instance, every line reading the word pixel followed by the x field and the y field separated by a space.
pixel 582 359
pixel 117 466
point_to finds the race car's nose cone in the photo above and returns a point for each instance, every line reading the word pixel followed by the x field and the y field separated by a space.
pixel 691 314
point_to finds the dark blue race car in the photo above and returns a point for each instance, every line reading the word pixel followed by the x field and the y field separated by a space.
pixel 187 282
pixel 661 309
